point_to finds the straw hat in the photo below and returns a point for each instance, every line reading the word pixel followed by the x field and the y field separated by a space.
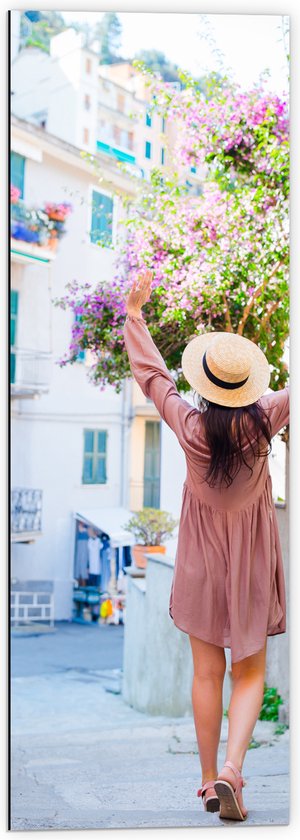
pixel 226 368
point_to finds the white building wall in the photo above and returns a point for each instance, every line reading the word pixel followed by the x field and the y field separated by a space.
pixel 47 432
pixel 15 18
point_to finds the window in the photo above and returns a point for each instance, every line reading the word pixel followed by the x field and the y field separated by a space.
pixel 17 171
pixel 124 138
pixel 163 124
pixel 148 149
pixel 94 457
pixel 130 140
pixel 86 136
pixel 88 65
pixel 152 464
pixel 116 134
pixel 81 355
pixel 13 332
pixel 102 219
pixel 193 169
pixel 162 156
pixel 87 102
pixel 120 102
pixel 148 119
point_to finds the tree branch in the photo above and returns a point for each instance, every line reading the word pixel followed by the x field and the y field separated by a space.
pixel 268 314
pixel 255 295
pixel 265 319
pixel 227 316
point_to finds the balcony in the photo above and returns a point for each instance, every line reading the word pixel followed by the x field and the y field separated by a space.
pixel 35 231
pixel 26 252
pixel 26 514
pixel 30 373
pixel 116 153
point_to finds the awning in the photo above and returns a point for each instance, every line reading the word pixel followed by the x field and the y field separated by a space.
pixel 110 521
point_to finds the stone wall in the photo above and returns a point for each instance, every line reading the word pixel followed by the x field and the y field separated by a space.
pixel 157 656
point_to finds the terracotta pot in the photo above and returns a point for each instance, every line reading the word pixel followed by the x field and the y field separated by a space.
pixel 56 217
pixel 52 242
pixel 139 553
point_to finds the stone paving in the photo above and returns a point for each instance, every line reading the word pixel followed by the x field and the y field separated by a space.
pixel 82 758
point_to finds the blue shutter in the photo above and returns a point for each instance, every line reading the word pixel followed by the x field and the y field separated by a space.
pixel 81 355
pixel 17 171
pixel 88 441
pixel 14 299
pixel 101 441
pixel 94 458
pixel 148 149
pixel 102 212
pixel 148 119
pixel 162 156
pixel 101 471
pixel 88 457
pixel 152 465
pixel 101 460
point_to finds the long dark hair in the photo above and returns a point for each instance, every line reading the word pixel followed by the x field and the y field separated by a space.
pixel 226 429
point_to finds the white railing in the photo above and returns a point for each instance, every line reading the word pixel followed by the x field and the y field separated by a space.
pixel 28 607
pixel 32 371
pixel 26 510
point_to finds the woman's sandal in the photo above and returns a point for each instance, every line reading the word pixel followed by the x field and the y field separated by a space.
pixel 211 803
pixel 229 806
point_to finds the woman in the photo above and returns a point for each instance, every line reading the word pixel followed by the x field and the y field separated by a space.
pixel 228 585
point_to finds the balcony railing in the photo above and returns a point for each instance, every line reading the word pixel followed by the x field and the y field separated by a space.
pixel 30 372
pixel 26 513
pixel 40 228
pixel 28 252
pixel 115 152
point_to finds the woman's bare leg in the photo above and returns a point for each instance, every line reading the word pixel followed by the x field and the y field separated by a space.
pixel 209 669
pixel 248 678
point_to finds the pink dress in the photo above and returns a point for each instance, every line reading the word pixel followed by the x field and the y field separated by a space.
pixel 228 583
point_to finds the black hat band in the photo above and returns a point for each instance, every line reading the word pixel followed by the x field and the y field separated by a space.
pixel 230 386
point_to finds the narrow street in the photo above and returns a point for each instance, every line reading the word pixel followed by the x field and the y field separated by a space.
pixel 82 758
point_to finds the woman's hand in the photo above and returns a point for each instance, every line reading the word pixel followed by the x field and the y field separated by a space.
pixel 139 294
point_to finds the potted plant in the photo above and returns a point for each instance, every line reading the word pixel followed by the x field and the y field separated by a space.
pixel 150 527
pixel 39 226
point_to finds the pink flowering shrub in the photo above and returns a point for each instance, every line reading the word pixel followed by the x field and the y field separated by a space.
pixel 14 194
pixel 220 259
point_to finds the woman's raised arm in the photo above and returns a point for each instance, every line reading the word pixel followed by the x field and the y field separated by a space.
pixel 152 374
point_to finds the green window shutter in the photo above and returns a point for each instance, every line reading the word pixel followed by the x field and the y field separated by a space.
pixel 148 149
pixel 162 156
pixel 81 355
pixel 14 300
pixel 101 458
pixel 94 458
pixel 102 218
pixel 17 171
pixel 101 471
pixel 148 119
pixel 88 442
pixel 101 442
pixel 152 465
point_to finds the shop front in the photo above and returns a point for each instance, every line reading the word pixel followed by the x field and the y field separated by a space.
pixel 102 553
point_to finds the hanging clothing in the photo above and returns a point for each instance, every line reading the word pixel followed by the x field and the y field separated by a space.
pixel 105 556
pixel 127 559
pixel 228 584
pixel 94 546
pixel 81 556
